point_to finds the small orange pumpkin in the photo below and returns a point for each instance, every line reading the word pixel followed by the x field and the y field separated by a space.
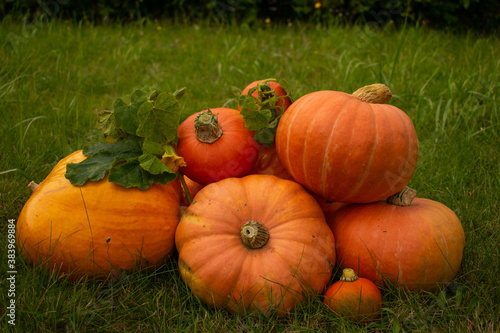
pixel 354 298
pixel 98 228
pixel 257 244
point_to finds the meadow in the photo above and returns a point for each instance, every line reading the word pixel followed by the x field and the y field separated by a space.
pixel 55 75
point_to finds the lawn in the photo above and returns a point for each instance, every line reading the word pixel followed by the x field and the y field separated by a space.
pixel 55 75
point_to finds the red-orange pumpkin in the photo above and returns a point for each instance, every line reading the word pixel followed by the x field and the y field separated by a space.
pixel 215 144
pixel 98 228
pixel 348 148
pixel 414 244
pixel 257 243
pixel 354 298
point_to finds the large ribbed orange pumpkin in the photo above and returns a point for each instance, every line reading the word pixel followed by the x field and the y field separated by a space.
pixel 414 243
pixel 257 244
pixel 98 228
pixel 348 148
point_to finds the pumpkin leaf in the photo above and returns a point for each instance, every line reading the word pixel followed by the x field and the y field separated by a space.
pixel 265 136
pixel 106 123
pixel 139 132
pixel 126 148
pixel 262 113
pixel 126 113
pixel 255 119
pixel 102 157
pixel 130 174
pixel 153 164
pixel 159 119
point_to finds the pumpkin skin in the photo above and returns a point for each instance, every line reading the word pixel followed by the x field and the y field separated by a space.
pixel 231 155
pixel 223 272
pixel 418 247
pixel 354 298
pixel 268 163
pixel 345 149
pixel 99 228
pixel 283 103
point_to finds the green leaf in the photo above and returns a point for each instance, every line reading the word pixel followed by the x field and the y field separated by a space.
pixel 164 178
pixel 138 133
pixel 154 148
pixel 256 120
pixel 261 113
pixel 159 121
pixel 106 123
pixel 94 168
pixel 131 174
pixel 153 164
pixel 102 157
pixel 128 147
pixel 265 136
pixel 126 113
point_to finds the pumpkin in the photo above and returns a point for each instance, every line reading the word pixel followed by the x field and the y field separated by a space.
pixel 348 148
pixel 268 163
pixel 354 298
pixel 254 244
pixel 414 243
pixel 215 145
pixel 284 100
pixel 98 228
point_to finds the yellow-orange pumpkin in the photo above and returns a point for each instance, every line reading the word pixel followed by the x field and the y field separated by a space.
pixel 98 228
pixel 348 148
pixel 415 243
pixel 257 244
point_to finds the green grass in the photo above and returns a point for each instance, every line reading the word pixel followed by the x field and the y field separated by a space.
pixel 54 78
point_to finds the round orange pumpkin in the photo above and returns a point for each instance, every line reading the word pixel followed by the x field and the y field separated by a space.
pixel 348 148
pixel 415 243
pixel 98 228
pixel 354 298
pixel 257 243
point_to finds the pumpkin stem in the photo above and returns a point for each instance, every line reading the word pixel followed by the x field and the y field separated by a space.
pixel 348 275
pixel 185 188
pixel 377 93
pixel 254 234
pixel 207 127
pixel 33 186
pixel 403 198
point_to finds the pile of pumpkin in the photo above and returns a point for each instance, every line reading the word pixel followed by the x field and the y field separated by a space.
pixel 261 228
